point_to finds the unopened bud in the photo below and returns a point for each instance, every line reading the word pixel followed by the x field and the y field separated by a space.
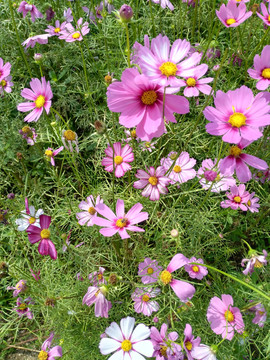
pixel 100 127
pixel 254 8
pixel 19 155
pixel 174 233
pixel 216 67
pixel 126 13
pixel 38 57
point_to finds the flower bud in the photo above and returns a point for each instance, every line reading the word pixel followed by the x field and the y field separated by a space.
pixel 11 196
pixel 100 127
pixel 113 279
pixel 216 67
pixel 174 233
pixel 28 7
pixel 38 57
pixel 125 13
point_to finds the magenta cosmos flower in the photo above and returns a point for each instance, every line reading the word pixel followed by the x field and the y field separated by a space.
pixel 237 162
pixel 47 353
pixel 120 222
pixel 22 308
pixel 261 69
pixel 96 277
pixel 89 211
pixel 260 314
pixel 237 198
pixel 96 295
pixel 190 343
pixel 196 271
pixel 238 114
pixel 70 34
pixel 193 84
pixel 41 95
pixel 164 4
pixel 149 271
pixel 125 342
pixel 182 171
pixel 233 15
pixel 224 318
pixel 42 234
pixel 143 302
pixel 252 203
pixel 140 103
pixel 120 157
pixel 162 63
pixel 20 287
pixel 182 289
pixel 154 182
pixel 255 261
pixel 24 8
pixel 50 153
pixel 265 14
pixel 4 69
pixel 55 30
pixel 31 42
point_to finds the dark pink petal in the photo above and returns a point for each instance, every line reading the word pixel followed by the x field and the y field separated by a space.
pixel 45 221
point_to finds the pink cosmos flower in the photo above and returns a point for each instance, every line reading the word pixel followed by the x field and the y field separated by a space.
pixel 260 314
pixel 255 261
pixel 70 34
pixel 25 8
pixel 142 300
pixel 262 68
pixel 96 296
pixel 55 30
pixel 239 1
pixel 238 198
pixel 164 4
pixel 6 84
pixel 238 114
pixel 35 274
pixel 262 176
pixel 126 342
pixel 120 157
pixel 20 287
pixel 193 84
pixel 42 234
pixel 48 353
pixel 148 146
pixel 86 216
pixel 22 308
pixel 68 15
pixel 41 95
pixel 182 170
pixel 96 278
pixel 237 161
pixel 4 69
pixel 50 153
pixel 204 352
pixel 154 182
pixel 266 14
pixel 29 134
pixel 120 222
pixel 164 346
pixel 182 289
pixel 224 318
pixel 140 103
pixel 252 203
pixel 190 343
pixel 41 39
pixel 196 271
pixel 210 176
pixel 149 271
pixel 233 15
pixel 162 63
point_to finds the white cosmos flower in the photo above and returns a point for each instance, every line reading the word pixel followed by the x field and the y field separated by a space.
pixel 127 344
pixel 29 219
pixel 204 352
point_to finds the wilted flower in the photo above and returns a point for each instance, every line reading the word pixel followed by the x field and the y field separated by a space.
pixel 143 302
pixel 260 314
pixel 29 134
pixel 22 308
pixel 255 261
pixel 20 287
pixel 96 278
pixel 41 39
pixel 35 274
pixel 50 154
pixel 96 296
pixel 72 138
pixel 38 57
pixel 25 8
pixel 49 14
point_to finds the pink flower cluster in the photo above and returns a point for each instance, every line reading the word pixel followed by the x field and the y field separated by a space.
pixel 239 198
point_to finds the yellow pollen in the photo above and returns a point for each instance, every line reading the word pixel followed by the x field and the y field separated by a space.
pixel 177 169
pixel 249 202
pixel 268 17
pixel 217 178
pixel 259 174
pixel 45 234
pixel 126 345
pixel 235 151
pixel 153 180
pixel 150 271
pixel 108 79
pixel 195 268
pixel 237 199
pixel 43 355
pixel 70 135
pixel 149 97
pixel 40 101
pixel 49 153
pixel 26 129
pixel 145 298
pixel 100 276
pixel 121 223
pixel 166 277
pixel 76 35
pixel 19 286
pixel 92 210
pixel 22 306
pixel 258 264
pixel 229 316
pixel 191 82
pixel 168 69
pixel 163 350
pixel 32 220
pixel 261 313
pixel 118 160
pixel 57 30
pixel 3 83
pixel 188 345
pixel 133 134
pixel 96 294
pixel 266 72
pixel 237 119
pixel 230 21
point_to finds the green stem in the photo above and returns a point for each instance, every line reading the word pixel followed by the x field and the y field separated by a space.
pixel 128 45
pixel 194 20
pixel 249 247
pixel 152 17
pixel 111 145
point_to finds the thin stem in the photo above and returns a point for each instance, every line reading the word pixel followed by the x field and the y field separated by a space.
pixel 128 45
pixel 111 145
pixel 194 20
pixel 152 17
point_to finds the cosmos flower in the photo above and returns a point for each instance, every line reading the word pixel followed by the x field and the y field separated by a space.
pixel 262 176
pixel 143 302
pixel 41 95
pixel 260 314
pixel 96 278
pixel 193 84
pixel 41 39
pixel 47 353
pixel 70 137
pixel 69 34
pixel 204 352
pixel 131 135
pixel 255 261
pixel 265 14
pixel 190 343
pixel 182 170
pixel 29 134
pixel 20 287
pixel 149 271
pixel 121 157
pixel 261 69
pixel 89 211
pixel 68 15
pixel 55 30
pixel 252 203
pixel 196 271
pixel 4 69
pixel 96 295
pixel 50 153
pixel 237 198
pixel 6 84
pixel 29 217
pixel 233 15
pixel 22 308
pixel 148 146
pixel 164 4
pixel 24 8
pixel 120 222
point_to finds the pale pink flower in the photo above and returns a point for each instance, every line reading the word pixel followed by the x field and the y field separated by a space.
pixel 69 34
pixel 29 217
pixel 182 171
pixel 96 278
pixel 96 295
pixel 120 222
pixel 89 211
pixel 22 308
pixel 50 153
pixel 4 69
pixel 193 84
pixel 20 287
pixel 255 261
pixel 148 146
pixel 262 68
pixel 204 352
pixel 262 176
pixel 190 343
pixel 260 314
pixel 265 14
pixel 233 15
pixel 41 95
pixel 252 203
pixel 142 300
pixel 237 198
pixel 149 271
pixel 121 157
pixel 25 8
pixel 41 39
pixel 6 84
pixel 47 352
pixel 68 15
pixel 196 271
pixel 164 4
pixel 55 30
pixel 29 134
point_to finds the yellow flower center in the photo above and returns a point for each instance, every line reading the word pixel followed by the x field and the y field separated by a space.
pixel 133 134
pixel 22 306
pixel 259 174
pixel 40 101
pixel 20 286
pixel 92 210
pixel 45 234
pixel 168 69
pixel 49 153
pixel 26 129
pixel 188 345
pixel 268 17
pixel 237 119
pixel 43 355
pixel 166 277
pixel 195 268
pixel 100 276
pixel 249 202
pixel 258 264
pixel 70 135
pixel 261 313
pixel 163 350
pixel 57 30
pixel 3 83
pixel 126 345
pixel 237 199
pixel 108 79
pixel 229 316
pixel 153 180
pixel 149 97
pixel 235 151
pixel 230 21
pixel 150 271
pixel 121 223
pixel 76 35
pixel 191 82
pixel 266 72
pixel 32 220
pixel 177 169
pixel 145 298
pixel 118 160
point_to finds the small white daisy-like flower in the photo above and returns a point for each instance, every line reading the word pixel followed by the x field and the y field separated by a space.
pixel 30 217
